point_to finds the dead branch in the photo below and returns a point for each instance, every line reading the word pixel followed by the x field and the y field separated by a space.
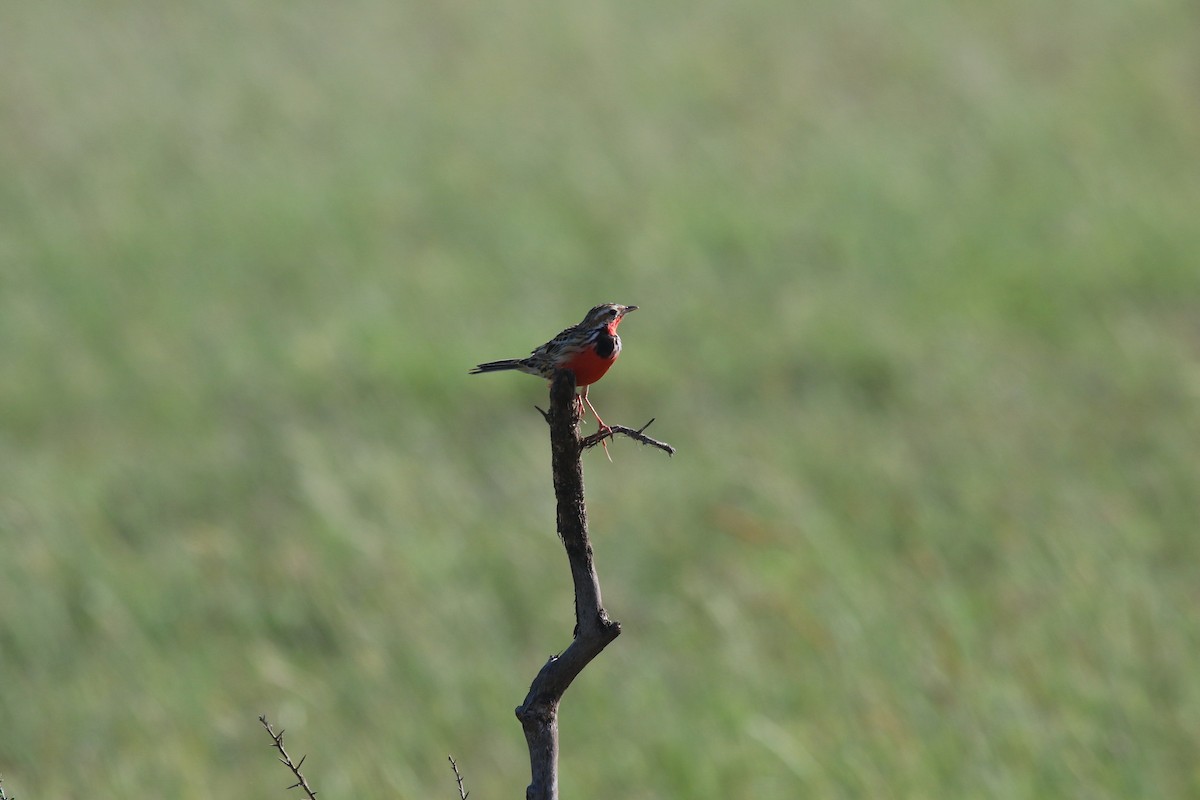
pixel 286 760
pixel 462 794
pixel 593 628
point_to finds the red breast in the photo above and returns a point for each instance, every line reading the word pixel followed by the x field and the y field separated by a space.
pixel 589 366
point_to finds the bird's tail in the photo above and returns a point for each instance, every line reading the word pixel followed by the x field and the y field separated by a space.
pixel 497 366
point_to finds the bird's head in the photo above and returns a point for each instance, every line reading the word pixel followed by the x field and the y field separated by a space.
pixel 608 315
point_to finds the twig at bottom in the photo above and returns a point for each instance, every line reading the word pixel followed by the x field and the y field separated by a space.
pixel 286 760
pixel 462 795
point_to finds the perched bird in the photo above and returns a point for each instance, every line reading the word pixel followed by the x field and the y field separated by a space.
pixel 587 349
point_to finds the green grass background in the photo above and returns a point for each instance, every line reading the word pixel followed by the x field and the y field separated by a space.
pixel 921 311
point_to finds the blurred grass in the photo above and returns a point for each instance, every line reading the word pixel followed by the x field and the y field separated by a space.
pixel 920 297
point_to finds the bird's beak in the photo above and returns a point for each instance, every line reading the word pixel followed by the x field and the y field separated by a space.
pixel 626 309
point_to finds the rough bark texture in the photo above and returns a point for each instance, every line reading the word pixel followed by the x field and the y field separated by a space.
pixel 593 629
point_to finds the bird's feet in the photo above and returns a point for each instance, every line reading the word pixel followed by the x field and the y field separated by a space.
pixel 604 428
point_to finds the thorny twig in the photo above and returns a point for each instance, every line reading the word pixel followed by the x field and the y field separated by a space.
pixel 611 431
pixel 462 795
pixel 286 760
pixel 637 435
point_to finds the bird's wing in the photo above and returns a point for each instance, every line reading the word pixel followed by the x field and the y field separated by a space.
pixel 559 349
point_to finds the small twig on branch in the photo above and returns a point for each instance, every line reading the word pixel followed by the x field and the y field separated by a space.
pixel 611 432
pixel 637 435
pixel 462 795
pixel 3 796
pixel 286 760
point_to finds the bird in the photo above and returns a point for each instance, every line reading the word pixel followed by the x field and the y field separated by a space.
pixel 587 349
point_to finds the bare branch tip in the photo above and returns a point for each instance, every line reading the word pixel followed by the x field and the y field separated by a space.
pixel 462 794
pixel 637 435
pixel 286 760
